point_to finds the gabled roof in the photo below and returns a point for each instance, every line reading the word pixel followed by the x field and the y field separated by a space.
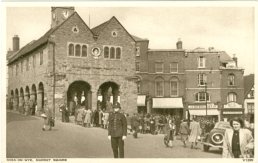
pixel 35 43
pixel 248 83
pixel 98 29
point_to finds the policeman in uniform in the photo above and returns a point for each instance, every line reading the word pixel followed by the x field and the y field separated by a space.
pixel 117 131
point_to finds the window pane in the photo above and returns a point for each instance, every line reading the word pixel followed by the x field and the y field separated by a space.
pixel 137 66
pixel 118 53
pixel 112 52
pixel 41 58
pixel 77 50
pixel 173 67
pixel 159 87
pixel 231 80
pixel 137 51
pixel 71 50
pixel 106 52
pixel 34 61
pixel 84 51
pixel 173 85
pixel 159 67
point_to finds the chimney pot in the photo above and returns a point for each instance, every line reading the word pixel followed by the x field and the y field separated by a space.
pixel 16 43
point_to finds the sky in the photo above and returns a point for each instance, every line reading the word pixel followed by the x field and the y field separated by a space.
pixel 225 28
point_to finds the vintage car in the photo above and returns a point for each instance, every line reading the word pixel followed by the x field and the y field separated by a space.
pixel 215 137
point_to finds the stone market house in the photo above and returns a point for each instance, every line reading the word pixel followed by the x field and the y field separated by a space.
pixel 73 63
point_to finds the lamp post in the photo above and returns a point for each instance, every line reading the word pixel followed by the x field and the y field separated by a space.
pixel 206 104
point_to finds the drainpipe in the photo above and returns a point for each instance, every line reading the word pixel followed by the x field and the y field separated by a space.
pixel 51 41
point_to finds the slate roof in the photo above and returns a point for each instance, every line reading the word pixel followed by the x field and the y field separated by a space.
pixel 248 83
pixel 138 38
pixel 96 30
pixel 35 43
pixel 224 57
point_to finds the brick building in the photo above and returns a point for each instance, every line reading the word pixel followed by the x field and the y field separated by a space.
pixel 73 63
pixel 214 84
pixel 249 95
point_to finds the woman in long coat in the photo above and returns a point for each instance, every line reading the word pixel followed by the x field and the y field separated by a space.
pixel 170 132
pixel 238 142
pixel 195 133
pixel 87 119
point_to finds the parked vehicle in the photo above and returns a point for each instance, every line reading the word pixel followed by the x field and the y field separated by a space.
pixel 215 137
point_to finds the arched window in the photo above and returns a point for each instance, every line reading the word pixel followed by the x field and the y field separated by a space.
pixel 231 79
pixel 231 97
pixel 106 52
pixel 84 51
pixel 174 87
pixel 159 87
pixel 71 50
pixel 112 52
pixel 118 53
pixel 77 50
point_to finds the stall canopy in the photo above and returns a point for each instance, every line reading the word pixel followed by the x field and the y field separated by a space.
pixel 203 112
pixel 141 100
pixel 167 103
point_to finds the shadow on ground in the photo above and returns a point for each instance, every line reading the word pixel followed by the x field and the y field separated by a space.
pixel 10 117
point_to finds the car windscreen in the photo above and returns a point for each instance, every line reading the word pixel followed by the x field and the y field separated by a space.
pixel 222 125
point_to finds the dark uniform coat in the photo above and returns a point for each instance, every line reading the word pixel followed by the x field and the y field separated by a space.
pixel 117 125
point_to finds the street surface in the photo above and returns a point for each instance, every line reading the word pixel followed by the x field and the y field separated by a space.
pixel 25 139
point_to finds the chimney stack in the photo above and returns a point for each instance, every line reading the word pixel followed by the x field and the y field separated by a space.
pixel 235 59
pixel 16 43
pixel 179 44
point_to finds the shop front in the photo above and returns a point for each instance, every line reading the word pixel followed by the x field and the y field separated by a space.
pixel 201 111
pixel 168 106
pixel 232 110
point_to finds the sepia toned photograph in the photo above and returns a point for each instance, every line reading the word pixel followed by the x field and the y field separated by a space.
pixel 152 80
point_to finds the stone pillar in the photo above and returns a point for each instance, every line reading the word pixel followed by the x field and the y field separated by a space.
pixel 94 100
pixel 39 103
pixel 148 105
pixel 16 103
pixel 89 99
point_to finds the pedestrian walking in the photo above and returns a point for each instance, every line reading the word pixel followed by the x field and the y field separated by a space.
pixel 48 120
pixel 238 142
pixel 105 119
pixel 117 131
pixel 170 132
pixel 135 123
pixel 184 131
pixel 195 133
pixel 80 116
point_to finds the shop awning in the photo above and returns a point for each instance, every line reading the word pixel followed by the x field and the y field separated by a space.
pixel 141 100
pixel 167 103
pixel 203 112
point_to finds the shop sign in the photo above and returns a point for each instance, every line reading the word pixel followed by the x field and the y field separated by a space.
pixel 232 112
pixel 232 105
pixel 209 106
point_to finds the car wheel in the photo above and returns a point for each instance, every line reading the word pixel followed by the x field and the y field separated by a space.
pixel 206 148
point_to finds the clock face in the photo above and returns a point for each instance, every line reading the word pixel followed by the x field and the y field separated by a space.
pixel 65 14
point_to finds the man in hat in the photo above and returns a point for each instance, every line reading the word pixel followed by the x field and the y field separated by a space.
pixel 117 131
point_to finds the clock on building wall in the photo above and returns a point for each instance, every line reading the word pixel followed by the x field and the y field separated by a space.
pixel 95 52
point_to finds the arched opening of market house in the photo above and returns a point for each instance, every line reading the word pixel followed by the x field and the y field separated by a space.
pixel 108 94
pixel 79 93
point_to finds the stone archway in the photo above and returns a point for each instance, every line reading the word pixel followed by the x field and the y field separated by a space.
pixel 40 99
pixel 108 95
pixel 26 99
pixel 11 100
pixel 79 93
pixel 21 101
pixel 33 99
pixel 16 99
